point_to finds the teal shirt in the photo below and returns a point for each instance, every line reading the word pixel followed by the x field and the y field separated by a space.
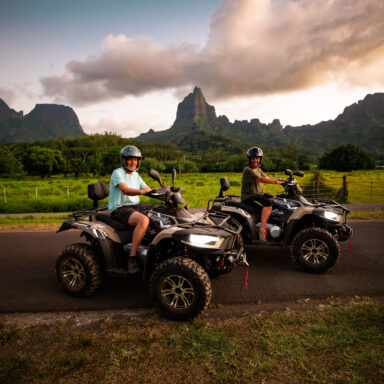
pixel 116 197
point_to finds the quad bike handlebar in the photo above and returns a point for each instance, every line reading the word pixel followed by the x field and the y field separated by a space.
pixel 170 195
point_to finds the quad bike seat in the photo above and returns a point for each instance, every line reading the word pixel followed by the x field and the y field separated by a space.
pixel 124 231
pixel 241 205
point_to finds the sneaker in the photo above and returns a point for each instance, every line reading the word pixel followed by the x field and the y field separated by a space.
pixel 132 266
pixel 262 235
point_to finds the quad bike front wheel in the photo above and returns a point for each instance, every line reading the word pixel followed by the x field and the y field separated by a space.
pixel 315 250
pixel 181 288
pixel 78 271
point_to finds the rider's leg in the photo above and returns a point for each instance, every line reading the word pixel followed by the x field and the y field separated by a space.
pixel 140 222
pixel 265 213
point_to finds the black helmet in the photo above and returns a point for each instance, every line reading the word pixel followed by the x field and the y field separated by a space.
pixel 255 152
pixel 130 151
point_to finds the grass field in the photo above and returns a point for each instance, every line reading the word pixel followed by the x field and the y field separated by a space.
pixel 64 194
pixel 333 343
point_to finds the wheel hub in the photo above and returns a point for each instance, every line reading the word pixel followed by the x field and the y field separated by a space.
pixel 177 292
pixel 73 273
pixel 315 251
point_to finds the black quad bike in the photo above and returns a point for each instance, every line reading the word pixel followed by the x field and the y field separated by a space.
pixel 179 251
pixel 310 228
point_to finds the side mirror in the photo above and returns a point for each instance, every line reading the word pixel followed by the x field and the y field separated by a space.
pixel 156 176
pixel 288 172
pixel 173 177
pixel 178 198
pixel 224 185
pixel 299 173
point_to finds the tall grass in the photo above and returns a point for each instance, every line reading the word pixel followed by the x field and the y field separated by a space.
pixel 64 194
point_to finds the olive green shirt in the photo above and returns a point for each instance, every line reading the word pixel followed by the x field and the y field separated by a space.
pixel 249 184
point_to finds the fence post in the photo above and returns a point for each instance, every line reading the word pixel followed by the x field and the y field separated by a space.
pixel 195 196
pixel 36 193
pixel 5 196
pixel 317 183
pixel 370 193
pixel 68 191
pixel 345 188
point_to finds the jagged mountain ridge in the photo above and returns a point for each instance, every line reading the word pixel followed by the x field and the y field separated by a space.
pixel 44 122
pixel 361 123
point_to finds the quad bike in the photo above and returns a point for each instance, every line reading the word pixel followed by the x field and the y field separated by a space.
pixel 176 256
pixel 310 228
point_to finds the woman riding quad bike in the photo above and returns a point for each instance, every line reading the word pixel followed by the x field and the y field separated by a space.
pixel 311 229
pixel 177 254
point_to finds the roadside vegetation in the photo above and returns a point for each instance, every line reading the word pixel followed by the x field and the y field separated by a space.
pixel 66 194
pixel 333 343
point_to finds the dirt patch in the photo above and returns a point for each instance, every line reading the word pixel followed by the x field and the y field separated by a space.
pixel 83 318
pixel 30 228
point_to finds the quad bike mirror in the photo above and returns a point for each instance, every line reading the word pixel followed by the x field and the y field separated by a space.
pixel 288 172
pixel 173 177
pixel 299 173
pixel 178 198
pixel 155 175
pixel 224 185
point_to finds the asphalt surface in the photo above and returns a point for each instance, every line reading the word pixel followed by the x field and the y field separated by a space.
pixel 28 282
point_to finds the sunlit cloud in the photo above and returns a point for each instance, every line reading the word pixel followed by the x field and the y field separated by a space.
pixel 259 47
pixel 7 95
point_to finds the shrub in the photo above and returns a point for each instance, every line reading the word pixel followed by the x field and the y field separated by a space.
pixel 346 158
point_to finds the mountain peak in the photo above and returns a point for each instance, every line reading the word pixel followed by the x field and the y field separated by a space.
pixel 44 122
pixel 195 105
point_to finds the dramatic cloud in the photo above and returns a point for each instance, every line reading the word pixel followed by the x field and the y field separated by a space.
pixel 254 48
pixel 7 95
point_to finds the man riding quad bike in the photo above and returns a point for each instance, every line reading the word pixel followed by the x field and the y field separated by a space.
pixel 176 256
pixel 310 228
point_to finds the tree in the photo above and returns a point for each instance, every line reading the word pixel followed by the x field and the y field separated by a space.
pixel 77 166
pixel 150 162
pixel 43 161
pixel 109 160
pixel 9 165
pixel 346 158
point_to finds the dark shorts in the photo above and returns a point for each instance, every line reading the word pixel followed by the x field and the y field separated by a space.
pixel 123 213
pixel 259 202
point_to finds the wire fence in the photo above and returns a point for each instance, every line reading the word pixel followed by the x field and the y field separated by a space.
pixel 65 195
pixel 367 191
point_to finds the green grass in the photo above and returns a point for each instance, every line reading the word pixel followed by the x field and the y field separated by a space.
pixel 365 215
pixel 335 343
pixel 65 194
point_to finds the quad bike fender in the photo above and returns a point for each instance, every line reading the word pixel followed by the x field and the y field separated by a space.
pixel 289 232
pixel 166 234
pixel 299 213
pixel 247 221
pixel 96 229
pixel 148 262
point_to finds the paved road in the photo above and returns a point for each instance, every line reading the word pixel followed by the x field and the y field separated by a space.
pixel 28 281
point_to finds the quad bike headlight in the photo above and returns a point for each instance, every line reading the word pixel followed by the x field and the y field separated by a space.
pixel 204 241
pixel 333 216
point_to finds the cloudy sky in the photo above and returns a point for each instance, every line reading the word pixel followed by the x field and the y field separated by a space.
pixel 124 65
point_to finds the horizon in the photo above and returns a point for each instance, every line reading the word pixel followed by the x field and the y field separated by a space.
pixel 231 121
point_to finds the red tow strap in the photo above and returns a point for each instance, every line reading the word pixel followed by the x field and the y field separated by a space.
pixel 246 277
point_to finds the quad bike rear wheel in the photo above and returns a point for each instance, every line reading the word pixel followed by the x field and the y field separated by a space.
pixel 78 271
pixel 315 250
pixel 181 288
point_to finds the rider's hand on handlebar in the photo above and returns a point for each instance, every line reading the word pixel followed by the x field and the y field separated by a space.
pixel 280 181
